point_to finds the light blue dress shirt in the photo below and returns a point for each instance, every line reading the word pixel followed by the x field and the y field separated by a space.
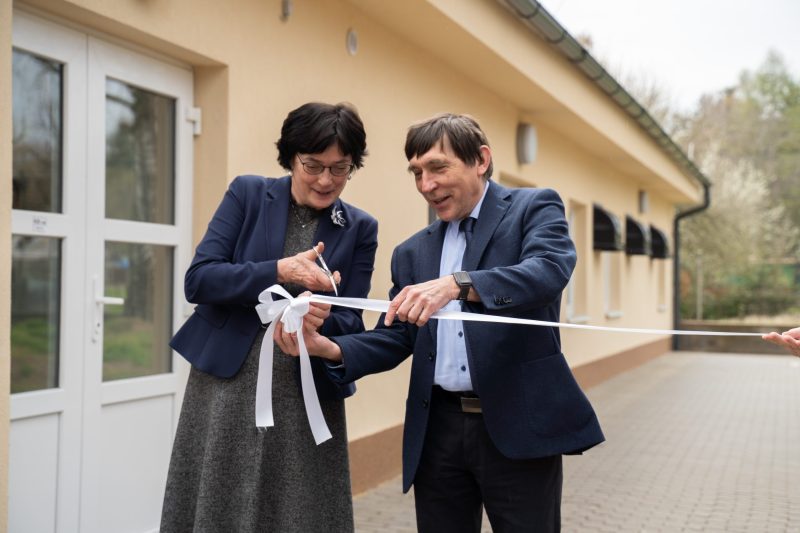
pixel 452 367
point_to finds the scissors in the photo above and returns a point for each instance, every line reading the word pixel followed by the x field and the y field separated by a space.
pixel 327 271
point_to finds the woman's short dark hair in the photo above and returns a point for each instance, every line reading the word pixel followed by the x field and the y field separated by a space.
pixel 313 127
pixel 462 131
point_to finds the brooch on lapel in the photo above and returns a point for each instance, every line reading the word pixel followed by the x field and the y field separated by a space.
pixel 336 217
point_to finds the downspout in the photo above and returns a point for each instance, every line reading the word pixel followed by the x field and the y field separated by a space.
pixel 676 270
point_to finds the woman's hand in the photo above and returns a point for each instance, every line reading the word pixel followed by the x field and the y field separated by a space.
pixel 303 270
pixel 790 340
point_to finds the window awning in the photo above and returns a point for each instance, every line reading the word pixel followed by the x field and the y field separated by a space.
pixel 606 230
pixel 660 244
pixel 637 238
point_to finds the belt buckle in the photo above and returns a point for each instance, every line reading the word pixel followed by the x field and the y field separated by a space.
pixel 471 405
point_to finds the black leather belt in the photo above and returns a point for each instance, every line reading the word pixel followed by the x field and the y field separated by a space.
pixel 468 401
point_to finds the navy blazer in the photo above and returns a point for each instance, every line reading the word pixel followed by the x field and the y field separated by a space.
pixel 520 259
pixel 237 259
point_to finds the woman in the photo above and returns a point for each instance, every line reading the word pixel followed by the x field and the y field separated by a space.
pixel 226 475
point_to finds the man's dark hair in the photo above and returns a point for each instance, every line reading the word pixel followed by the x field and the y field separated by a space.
pixel 313 127
pixel 462 131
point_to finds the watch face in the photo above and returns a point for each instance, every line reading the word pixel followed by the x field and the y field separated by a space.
pixel 462 278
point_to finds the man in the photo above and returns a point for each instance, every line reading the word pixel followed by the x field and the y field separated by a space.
pixel 491 407
pixel 790 340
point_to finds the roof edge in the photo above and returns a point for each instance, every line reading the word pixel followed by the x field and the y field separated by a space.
pixel 536 17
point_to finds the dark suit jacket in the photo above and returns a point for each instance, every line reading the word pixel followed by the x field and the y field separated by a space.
pixel 237 259
pixel 520 260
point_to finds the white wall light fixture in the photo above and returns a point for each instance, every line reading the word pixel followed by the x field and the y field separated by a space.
pixel 527 143
pixel 644 202
pixel 352 42
pixel 286 10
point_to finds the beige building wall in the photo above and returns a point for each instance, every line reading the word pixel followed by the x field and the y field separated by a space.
pixel 585 178
pixel 414 58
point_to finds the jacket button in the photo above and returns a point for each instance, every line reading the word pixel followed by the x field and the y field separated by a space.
pixel 425 403
pixel 431 356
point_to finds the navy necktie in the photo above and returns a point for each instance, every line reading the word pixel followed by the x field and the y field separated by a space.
pixel 466 226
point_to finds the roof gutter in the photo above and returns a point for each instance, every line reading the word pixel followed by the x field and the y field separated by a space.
pixel 536 17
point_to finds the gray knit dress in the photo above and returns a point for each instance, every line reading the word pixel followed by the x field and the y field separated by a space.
pixel 227 476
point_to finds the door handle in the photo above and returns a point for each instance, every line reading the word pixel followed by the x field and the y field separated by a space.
pixel 100 301
pixel 109 300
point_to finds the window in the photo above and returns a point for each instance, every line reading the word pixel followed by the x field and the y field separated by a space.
pixel 661 283
pixel 612 283
pixel 576 293
pixel 637 237
pixel 606 230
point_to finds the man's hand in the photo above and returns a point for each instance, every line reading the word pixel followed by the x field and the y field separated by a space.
pixel 317 313
pixel 790 340
pixel 315 343
pixel 303 270
pixel 416 303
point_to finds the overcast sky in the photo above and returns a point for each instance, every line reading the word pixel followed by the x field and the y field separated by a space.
pixel 691 46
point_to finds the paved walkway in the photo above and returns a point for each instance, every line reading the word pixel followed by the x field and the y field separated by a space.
pixel 695 442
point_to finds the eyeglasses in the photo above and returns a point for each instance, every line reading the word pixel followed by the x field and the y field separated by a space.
pixel 339 170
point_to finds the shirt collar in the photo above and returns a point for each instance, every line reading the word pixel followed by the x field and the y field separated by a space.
pixel 474 213
pixel 475 210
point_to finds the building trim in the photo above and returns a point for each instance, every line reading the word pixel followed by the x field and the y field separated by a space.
pixel 596 372
pixel 376 458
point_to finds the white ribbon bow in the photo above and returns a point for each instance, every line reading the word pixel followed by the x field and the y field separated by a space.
pixel 290 311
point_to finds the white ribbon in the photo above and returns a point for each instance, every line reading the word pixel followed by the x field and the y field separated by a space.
pixel 382 306
pixel 291 312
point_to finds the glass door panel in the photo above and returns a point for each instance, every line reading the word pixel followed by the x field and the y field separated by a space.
pixel 37 144
pixel 35 312
pixel 137 332
pixel 140 154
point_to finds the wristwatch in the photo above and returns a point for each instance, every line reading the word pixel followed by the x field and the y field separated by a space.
pixel 464 283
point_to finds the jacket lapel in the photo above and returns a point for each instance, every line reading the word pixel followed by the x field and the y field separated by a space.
pixel 430 257
pixel 493 209
pixel 276 206
pixel 331 233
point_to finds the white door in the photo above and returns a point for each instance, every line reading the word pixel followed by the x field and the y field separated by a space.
pixel 101 237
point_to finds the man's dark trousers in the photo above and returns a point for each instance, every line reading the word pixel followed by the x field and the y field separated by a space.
pixel 461 469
